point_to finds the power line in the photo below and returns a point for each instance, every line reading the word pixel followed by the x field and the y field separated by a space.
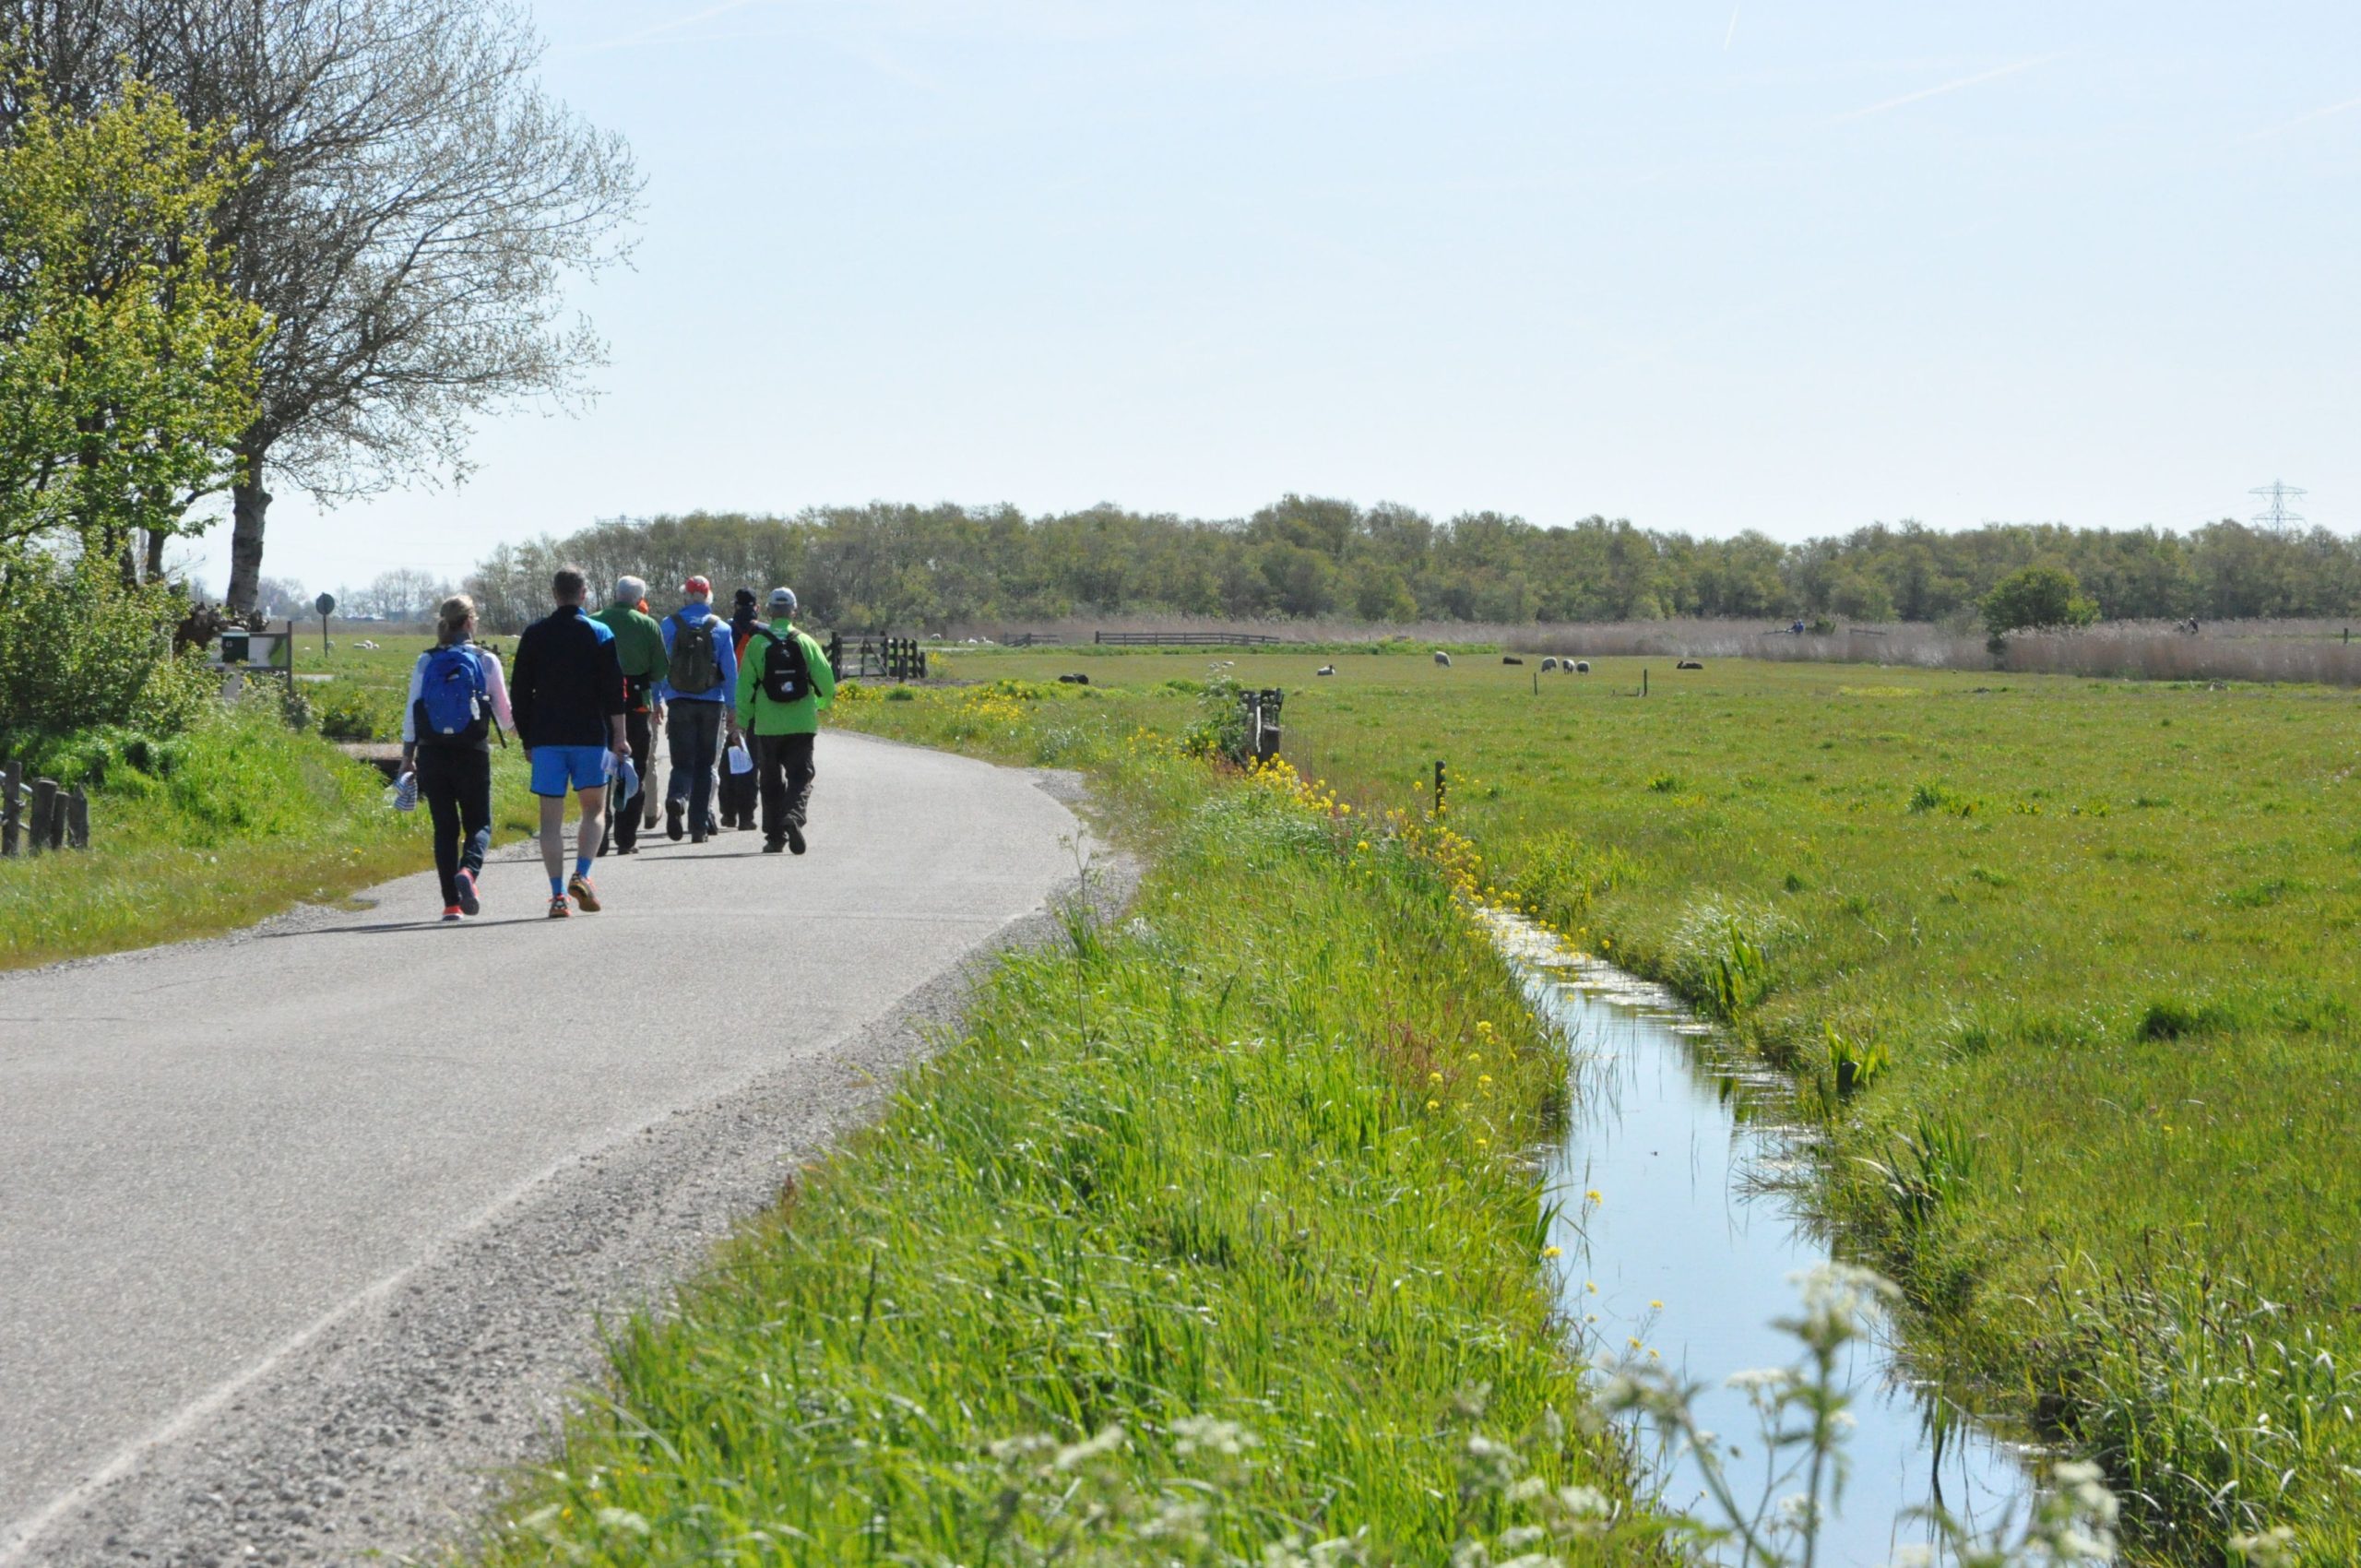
pixel 2278 492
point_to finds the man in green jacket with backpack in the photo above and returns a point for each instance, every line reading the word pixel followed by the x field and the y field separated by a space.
pixel 784 685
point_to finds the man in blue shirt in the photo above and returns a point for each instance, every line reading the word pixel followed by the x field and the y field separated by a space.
pixel 569 696
pixel 700 693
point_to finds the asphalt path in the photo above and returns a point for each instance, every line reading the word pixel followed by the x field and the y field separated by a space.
pixel 213 1155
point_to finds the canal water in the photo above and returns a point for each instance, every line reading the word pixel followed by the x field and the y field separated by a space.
pixel 1695 1240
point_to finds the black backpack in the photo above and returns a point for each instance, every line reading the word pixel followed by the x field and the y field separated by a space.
pixel 787 674
pixel 693 669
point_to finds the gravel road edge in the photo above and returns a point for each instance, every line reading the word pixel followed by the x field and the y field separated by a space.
pixel 385 1433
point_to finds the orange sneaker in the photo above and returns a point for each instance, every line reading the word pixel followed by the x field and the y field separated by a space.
pixel 584 894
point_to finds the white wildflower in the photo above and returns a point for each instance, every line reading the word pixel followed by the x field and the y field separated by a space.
pixel 1211 1434
pixel 2274 1547
pixel 1090 1449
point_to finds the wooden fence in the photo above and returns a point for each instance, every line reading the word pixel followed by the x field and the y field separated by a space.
pixel 876 656
pixel 39 815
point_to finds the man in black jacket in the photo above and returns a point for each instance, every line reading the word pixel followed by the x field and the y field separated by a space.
pixel 569 697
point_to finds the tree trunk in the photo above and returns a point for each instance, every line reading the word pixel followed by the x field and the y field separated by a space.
pixel 156 538
pixel 248 503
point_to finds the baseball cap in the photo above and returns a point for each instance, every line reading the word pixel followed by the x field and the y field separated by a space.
pixel 697 585
pixel 782 602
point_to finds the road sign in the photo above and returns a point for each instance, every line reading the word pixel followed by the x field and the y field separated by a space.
pixel 325 604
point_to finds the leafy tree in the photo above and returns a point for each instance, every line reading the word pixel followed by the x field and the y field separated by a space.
pixel 419 204
pixel 2037 598
pixel 127 364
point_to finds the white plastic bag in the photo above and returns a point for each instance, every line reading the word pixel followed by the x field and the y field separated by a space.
pixel 406 791
pixel 740 759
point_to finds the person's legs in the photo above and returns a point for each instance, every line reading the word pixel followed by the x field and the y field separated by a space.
pixel 704 727
pixel 770 762
pixel 440 790
pixel 474 771
pixel 625 821
pixel 553 842
pixel 693 728
pixel 593 823
pixel 800 772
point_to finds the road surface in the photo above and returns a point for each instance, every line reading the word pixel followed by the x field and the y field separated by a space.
pixel 351 1171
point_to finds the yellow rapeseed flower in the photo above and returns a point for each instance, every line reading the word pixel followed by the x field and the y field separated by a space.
pixel 1553 1252
pixel 1593 1195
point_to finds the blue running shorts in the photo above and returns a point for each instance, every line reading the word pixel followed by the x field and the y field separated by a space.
pixel 556 768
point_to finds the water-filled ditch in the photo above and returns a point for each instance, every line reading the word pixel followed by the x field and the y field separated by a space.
pixel 1694 1241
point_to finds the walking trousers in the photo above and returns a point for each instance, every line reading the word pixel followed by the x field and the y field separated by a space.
pixel 693 730
pixel 456 782
pixel 623 817
pixel 784 773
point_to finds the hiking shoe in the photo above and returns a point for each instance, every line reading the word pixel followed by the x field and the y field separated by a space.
pixel 648 813
pixel 773 846
pixel 584 894
pixel 469 903
pixel 452 914
pixel 697 838
pixel 560 909
pixel 795 836
pixel 674 811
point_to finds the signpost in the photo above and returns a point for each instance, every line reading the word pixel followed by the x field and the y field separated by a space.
pixel 325 604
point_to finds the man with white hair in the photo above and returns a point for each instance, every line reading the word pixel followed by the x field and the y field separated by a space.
pixel 639 647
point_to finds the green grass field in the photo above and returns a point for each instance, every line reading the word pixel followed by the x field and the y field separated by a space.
pixel 1206 1243
pixel 237 820
pixel 2067 966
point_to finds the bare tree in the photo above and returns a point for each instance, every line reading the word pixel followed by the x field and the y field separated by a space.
pixel 420 202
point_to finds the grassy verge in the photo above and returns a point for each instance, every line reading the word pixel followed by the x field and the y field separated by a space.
pixel 2067 963
pixel 212 830
pixel 1207 1237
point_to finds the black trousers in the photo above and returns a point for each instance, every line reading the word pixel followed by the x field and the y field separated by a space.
pixel 456 782
pixel 737 792
pixel 622 817
pixel 783 771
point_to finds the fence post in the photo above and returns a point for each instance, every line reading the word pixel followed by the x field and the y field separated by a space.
pixel 1644 680
pixel 77 819
pixel 44 812
pixel 12 820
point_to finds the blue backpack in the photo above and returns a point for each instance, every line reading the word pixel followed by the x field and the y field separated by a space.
pixel 451 709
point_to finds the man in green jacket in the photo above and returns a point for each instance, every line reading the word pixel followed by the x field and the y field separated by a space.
pixel 639 647
pixel 782 685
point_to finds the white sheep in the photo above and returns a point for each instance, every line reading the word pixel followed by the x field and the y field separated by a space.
pixel 1548 665
pixel 1326 670
pixel 1442 659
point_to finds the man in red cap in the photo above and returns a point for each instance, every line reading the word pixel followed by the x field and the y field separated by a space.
pixel 700 695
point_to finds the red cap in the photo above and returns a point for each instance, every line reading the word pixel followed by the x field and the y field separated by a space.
pixel 697 585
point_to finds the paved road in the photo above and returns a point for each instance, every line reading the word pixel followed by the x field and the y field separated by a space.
pixel 212 1154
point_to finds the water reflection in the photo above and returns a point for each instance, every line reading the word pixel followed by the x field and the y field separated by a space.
pixel 1693 1246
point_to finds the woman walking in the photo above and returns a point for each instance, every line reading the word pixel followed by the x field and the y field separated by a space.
pixel 455 693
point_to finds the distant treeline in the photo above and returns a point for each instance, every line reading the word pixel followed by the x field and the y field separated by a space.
pixel 945 567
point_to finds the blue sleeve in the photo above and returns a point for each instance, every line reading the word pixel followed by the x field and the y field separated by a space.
pixel 725 649
pixel 664 692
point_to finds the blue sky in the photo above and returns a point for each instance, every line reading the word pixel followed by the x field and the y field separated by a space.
pixel 1709 267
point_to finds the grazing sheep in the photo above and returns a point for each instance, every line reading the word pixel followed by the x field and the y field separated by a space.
pixel 1548 665
pixel 1442 659
pixel 1511 658
pixel 1689 664
pixel 1326 670
pixel 1581 667
pixel 1073 680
